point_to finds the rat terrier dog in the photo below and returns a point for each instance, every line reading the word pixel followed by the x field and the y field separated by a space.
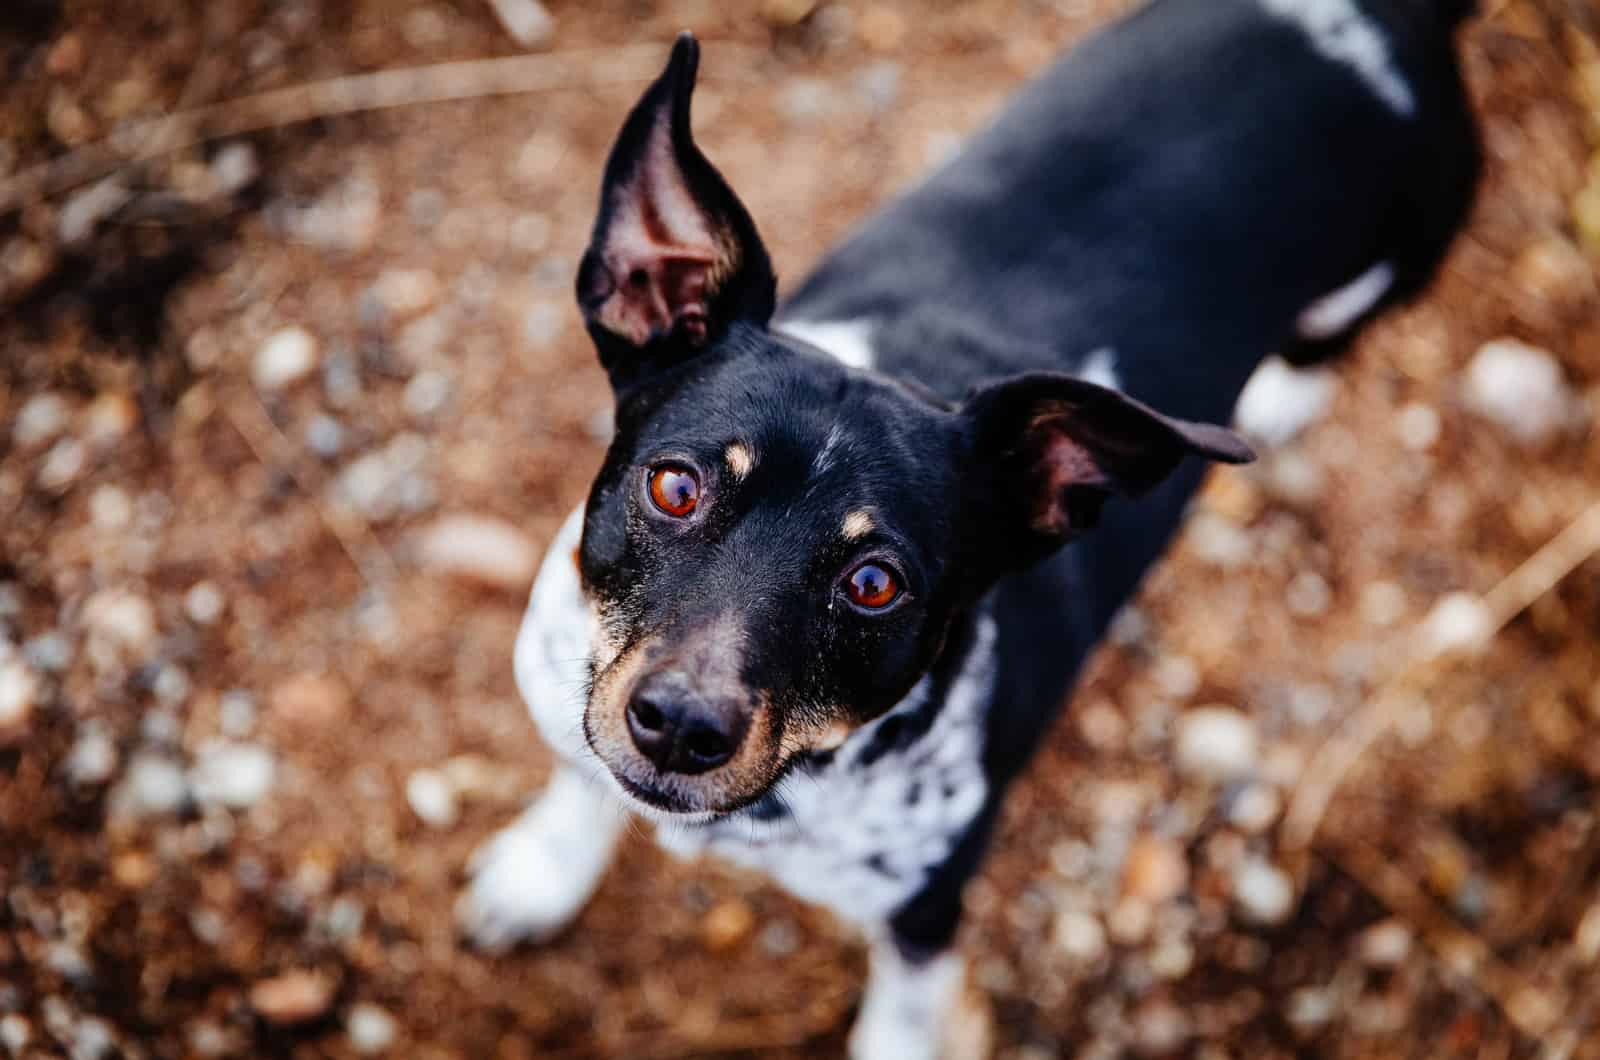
pixel 816 611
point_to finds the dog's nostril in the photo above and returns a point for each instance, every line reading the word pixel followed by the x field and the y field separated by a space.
pixel 648 717
pixel 708 746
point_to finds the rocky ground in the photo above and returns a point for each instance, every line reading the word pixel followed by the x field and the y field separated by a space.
pixel 289 414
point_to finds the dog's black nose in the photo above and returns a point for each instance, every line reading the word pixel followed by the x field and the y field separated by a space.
pixel 679 733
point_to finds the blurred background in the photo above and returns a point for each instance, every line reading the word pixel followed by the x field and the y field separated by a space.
pixel 293 393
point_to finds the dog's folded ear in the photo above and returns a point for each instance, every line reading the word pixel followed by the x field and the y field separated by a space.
pixel 674 258
pixel 1054 447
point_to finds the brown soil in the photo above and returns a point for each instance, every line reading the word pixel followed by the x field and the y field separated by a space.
pixel 1472 830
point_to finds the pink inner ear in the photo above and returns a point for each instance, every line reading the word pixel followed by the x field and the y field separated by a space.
pixel 661 250
pixel 1060 464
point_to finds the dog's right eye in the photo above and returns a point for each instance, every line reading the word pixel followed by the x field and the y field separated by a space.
pixel 674 489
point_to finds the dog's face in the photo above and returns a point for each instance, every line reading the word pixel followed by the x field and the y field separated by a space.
pixel 777 545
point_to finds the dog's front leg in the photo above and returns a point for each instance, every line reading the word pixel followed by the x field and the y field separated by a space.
pixel 917 1007
pixel 533 878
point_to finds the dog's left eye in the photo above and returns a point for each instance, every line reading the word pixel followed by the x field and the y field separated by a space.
pixel 872 586
pixel 675 489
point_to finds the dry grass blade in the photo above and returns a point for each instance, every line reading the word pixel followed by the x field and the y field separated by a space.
pixel 1537 575
pixel 383 90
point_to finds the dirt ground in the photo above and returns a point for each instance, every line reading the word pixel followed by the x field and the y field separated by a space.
pixel 285 415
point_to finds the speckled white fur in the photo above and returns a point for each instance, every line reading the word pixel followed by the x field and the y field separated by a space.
pixel 1341 32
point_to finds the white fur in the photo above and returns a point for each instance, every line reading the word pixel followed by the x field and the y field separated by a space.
pixel 533 878
pixel 1100 368
pixel 1281 401
pixel 906 1007
pixel 851 840
pixel 551 658
pixel 846 341
pixel 1341 32
pixel 1335 312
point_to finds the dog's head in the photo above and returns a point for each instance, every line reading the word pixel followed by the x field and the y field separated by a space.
pixel 778 545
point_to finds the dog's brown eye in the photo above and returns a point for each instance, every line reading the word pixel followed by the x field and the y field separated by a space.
pixel 872 586
pixel 674 489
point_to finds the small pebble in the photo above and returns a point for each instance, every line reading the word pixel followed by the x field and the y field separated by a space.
pixel 287 357
pixel 1521 389
pixel 92 759
pixel 41 418
pixel 1385 944
pixel 1586 940
pixel 1383 603
pixel 1156 870
pixel 19 691
pixel 426 394
pixel 1255 808
pixel 234 168
pixel 479 548
pixel 310 702
pixel 432 798
pixel 325 436
pixel 50 652
pixel 726 924
pixel 528 22
pixel 293 997
pixel 62 465
pixel 1458 624
pixel 404 293
pixel 153 786
pixel 1160 1028
pixel 1263 893
pixel 233 775
pixel 1080 936
pixel 1216 743
pixel 1419 426
pixel 1308 595
pixel 543 324
pixel 84 210
pixel 371 1029
pixel 1310 1009
pixel 15 1033
pixel 203 603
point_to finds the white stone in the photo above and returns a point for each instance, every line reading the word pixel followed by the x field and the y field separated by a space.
pixel 1216 743
pixel 1255 808
pixel 62 464
pixel 82 213
pixel 528 22
pixel 1080 936
pixel 120 620
pixel 1308 595
pixel 15 1033
pixel 92 759
pixel 1383 603
pixel 233 775
pixel 1419 426
pixel 371 1029
pixel 1385 944
pixel 203 603
pixel 235 167
pixel 19 690
pixel 41 418
pixel 432 798
pixel 406 292
pixel 153 786
pixel 1458 623
pixel 288 356
pixel 479 548
pixel 426 394
pixel 1219 540
pixel 1521 389
pixel 1263 893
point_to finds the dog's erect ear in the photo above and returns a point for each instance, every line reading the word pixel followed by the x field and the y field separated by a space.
pixel 1057 447
pixel 674 258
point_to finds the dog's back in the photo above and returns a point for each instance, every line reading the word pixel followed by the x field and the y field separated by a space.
pixel 1174 194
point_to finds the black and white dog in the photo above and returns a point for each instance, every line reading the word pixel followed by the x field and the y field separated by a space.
pixel 816 610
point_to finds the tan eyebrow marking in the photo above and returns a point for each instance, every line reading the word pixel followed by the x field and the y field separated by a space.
pixel 857 524
pixel 740 459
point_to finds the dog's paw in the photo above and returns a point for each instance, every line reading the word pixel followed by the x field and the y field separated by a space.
pixel 519 893
pixel 920 1012
pixel 533 879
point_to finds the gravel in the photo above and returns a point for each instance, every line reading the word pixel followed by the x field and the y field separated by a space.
pixel 153 786
pixel 370 1028
pixel 432 798
pixel 287 357
pixel 1216 744
pixel 1521 389
pixel 478 548
pixel 1262 892
pixel 233 775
